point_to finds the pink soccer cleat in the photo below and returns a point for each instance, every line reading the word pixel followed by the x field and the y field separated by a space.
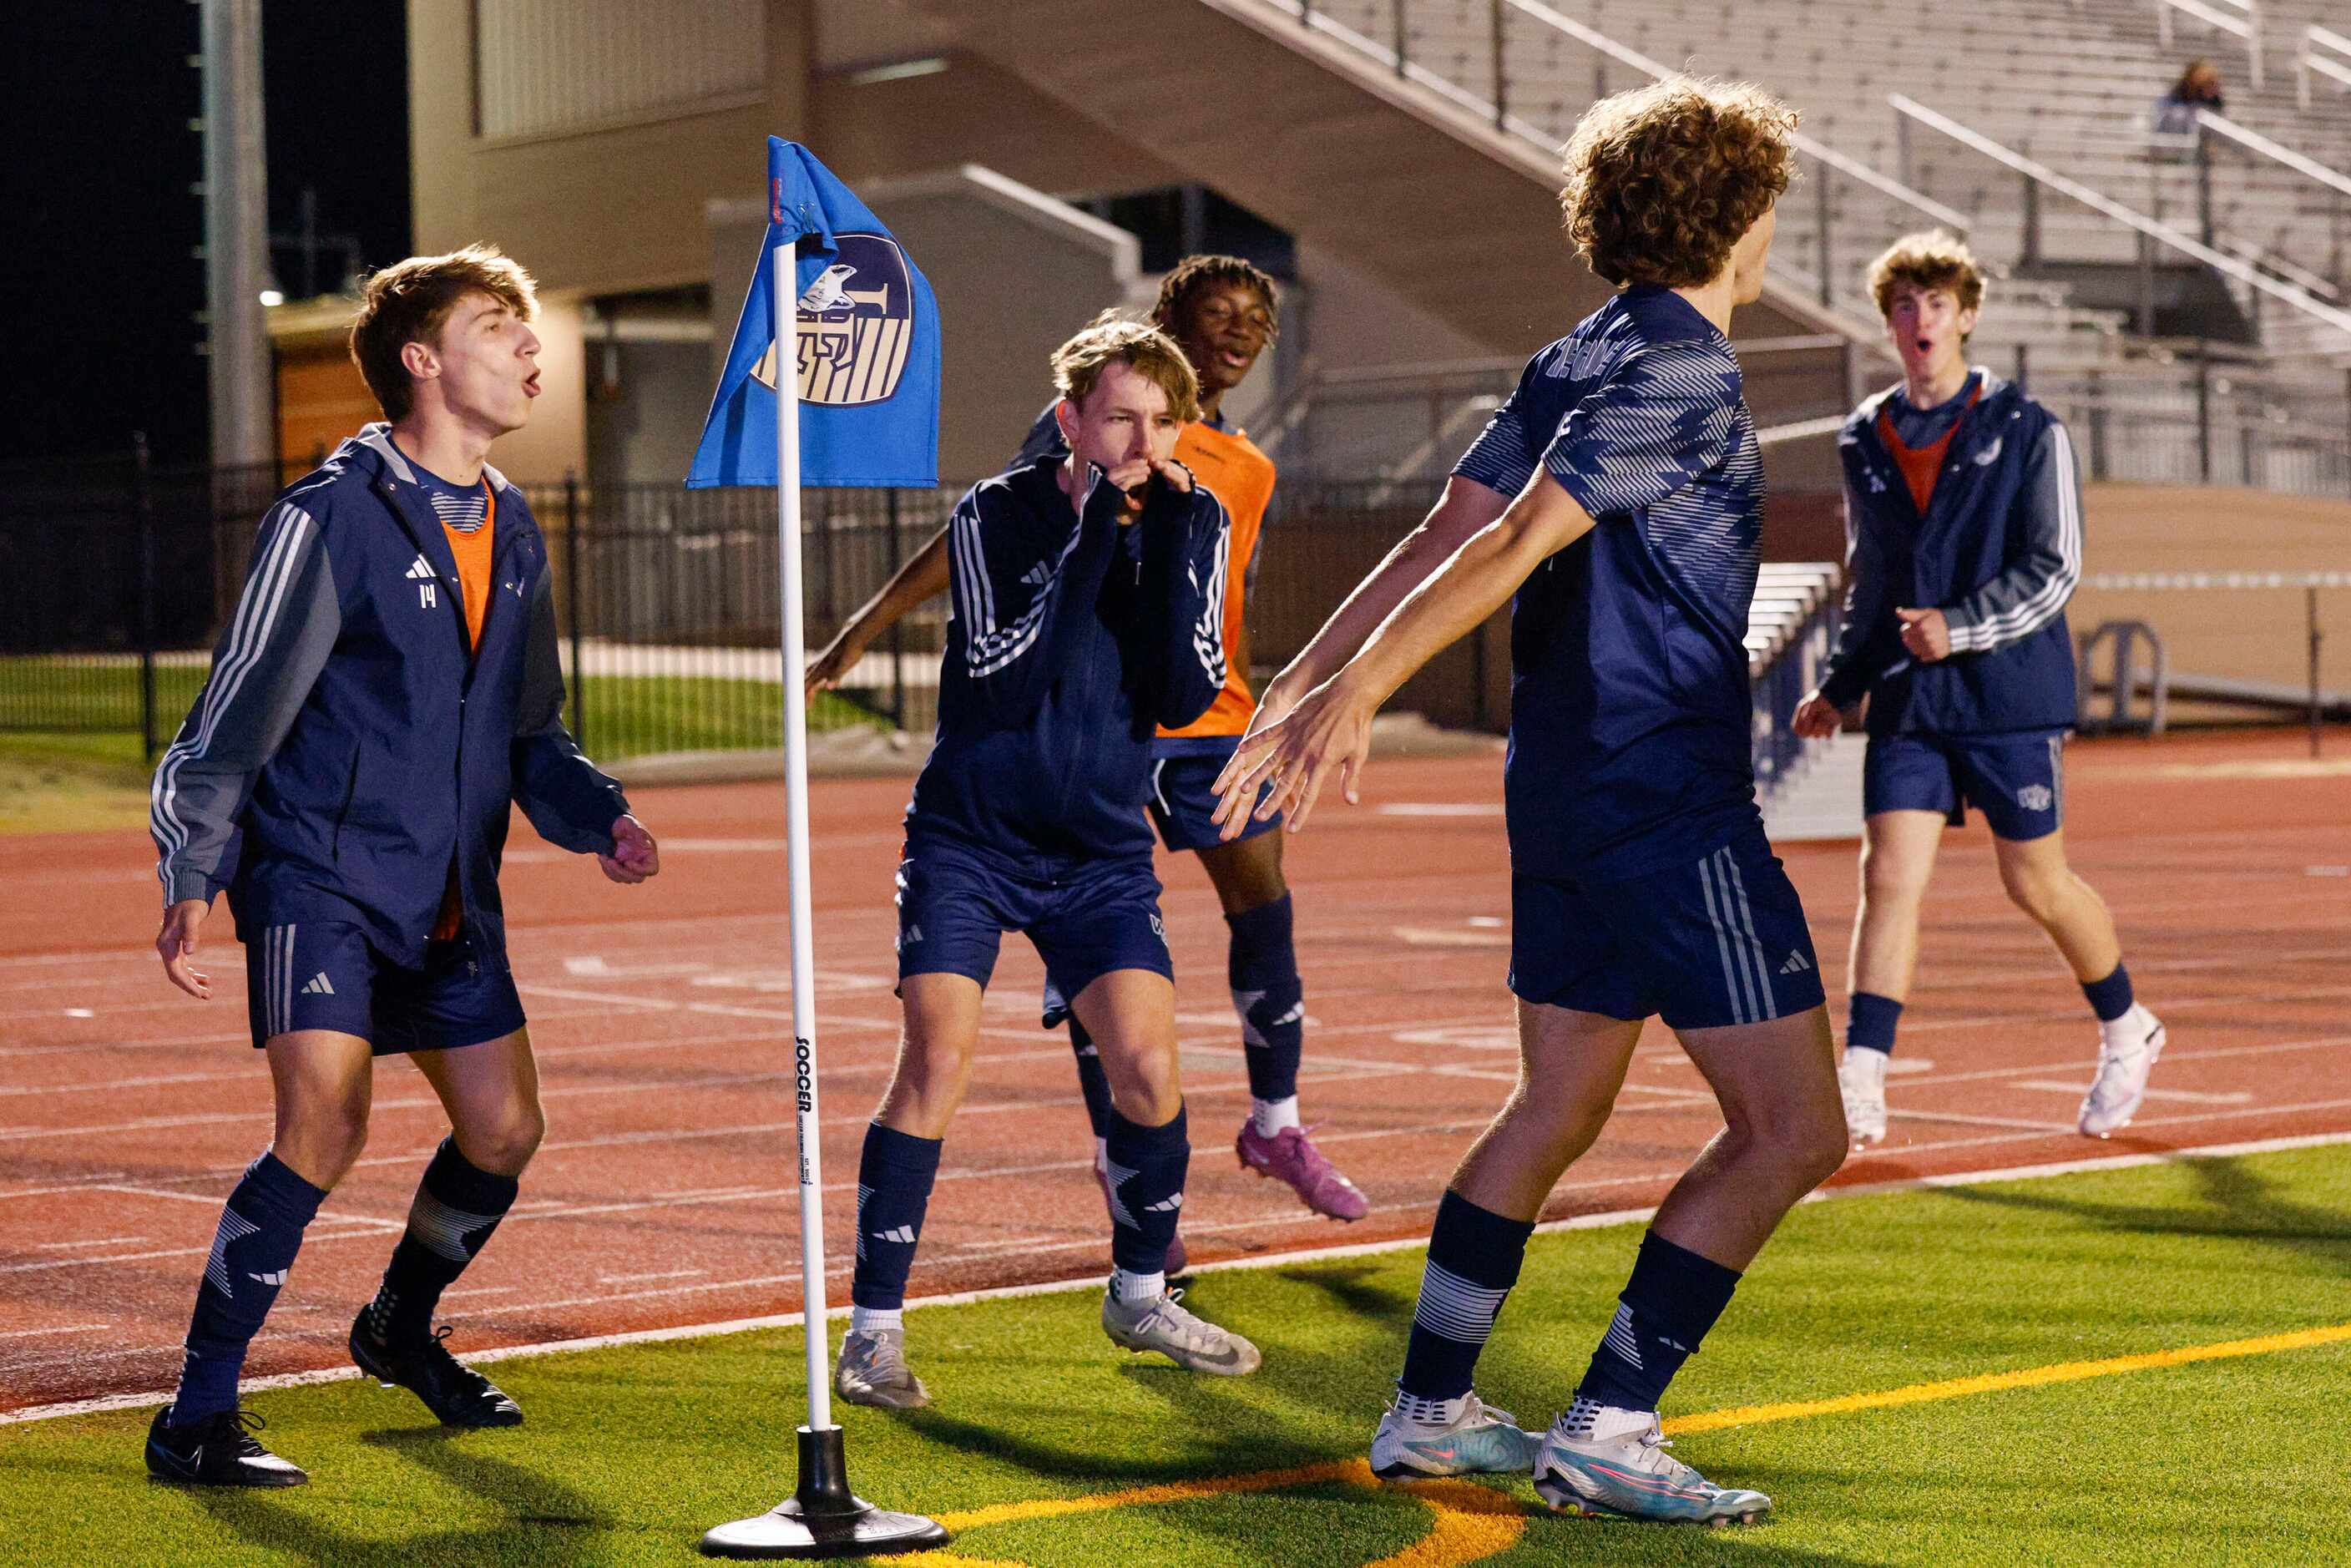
pixel 1176 1256
pixel 1291 1156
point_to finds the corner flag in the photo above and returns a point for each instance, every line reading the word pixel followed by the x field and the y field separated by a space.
pixel 868 358
pixel 833 379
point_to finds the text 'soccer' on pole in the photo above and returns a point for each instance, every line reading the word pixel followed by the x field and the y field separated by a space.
pixel 834 298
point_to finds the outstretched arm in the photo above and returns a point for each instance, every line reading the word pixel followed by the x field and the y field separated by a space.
pixel 920 579
pixel 1331 727
pixel 1466 508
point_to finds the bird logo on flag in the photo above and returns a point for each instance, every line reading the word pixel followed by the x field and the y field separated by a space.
pixel 856 325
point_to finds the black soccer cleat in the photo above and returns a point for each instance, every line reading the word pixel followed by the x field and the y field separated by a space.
pixel 218 1450
pixel 453 1391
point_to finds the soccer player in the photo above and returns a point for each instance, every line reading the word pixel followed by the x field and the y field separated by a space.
pixel 388 685
pixel 1088 594
pixel 1963 514
pixel 1618 493
pixel 1221 311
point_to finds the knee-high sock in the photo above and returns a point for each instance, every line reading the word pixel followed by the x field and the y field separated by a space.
pixel 1092 1081
pixel 1673 1298
pixel 1261 965
pixel 1147 1166
pixel 457 1206
pixel 1473 1260
pixel 260 1230
pixel 894 1175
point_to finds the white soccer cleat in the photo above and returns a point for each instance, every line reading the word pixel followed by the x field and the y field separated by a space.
pixel 1861 1081
pixel 1191 1342
pixel 1479 1441
pixel 872 1370
pixel 1617 1464
pixel 2127 1051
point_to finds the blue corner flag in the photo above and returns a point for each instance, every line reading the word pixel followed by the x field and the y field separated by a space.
pixel 869 348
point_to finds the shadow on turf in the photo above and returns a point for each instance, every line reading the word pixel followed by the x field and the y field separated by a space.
pixel 1213 1429
pixel 2242 1206
pixel 545 1521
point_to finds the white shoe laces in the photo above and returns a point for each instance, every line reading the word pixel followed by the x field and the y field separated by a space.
pixel 1187 1329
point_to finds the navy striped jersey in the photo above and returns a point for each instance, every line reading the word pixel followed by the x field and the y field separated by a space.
pixel 1629 727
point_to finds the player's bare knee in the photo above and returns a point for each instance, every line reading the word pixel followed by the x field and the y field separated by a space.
pixel 2040 891
pixel 505 1144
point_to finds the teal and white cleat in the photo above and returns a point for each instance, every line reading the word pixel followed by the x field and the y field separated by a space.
pixel 872 1370
pixel 1480 1440
pixel 1618 1465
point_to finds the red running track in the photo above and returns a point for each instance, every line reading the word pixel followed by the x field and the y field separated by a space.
pixel 664 1195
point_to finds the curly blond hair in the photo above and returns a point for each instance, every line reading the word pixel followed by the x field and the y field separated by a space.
pixel 1931 258
pixel 1112 340
pixel 1662 181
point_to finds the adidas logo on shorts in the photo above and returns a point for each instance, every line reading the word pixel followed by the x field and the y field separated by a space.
pixel 1796 965
pixel 318 986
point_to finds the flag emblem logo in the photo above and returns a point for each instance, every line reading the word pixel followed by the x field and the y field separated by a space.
pixel 856 326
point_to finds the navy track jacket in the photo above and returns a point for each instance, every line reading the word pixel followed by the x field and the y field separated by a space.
pixel 348 747
pixel 1071 639
pixel 1999 551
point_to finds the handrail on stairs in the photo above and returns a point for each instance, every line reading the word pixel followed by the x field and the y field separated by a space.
pixel 2038 174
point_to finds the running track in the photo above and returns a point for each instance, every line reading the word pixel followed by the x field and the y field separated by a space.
pixel 663 1192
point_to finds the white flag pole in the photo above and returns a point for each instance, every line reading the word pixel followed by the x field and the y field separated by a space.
pixel 796 835
pixel 822 1518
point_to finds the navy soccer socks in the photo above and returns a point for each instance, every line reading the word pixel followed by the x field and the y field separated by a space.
pixel 1146 1170
pixel 1092 1081
pixel 1672 1299
pixel 895 1173
pixel 1870 1020
pixel 1473 1260
pixel 260 1232
pixel 2110 997
pixel 1261 967
pixel 457 1207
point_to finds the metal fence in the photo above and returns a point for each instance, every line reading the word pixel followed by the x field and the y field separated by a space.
pixel 121 575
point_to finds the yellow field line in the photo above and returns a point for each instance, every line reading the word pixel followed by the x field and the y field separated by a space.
pixel 1475 1522
pixel 1997 1382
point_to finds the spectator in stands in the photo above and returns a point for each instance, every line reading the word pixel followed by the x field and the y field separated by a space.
pixel 2198 88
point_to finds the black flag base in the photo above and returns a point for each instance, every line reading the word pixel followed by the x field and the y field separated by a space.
pixel 822 1518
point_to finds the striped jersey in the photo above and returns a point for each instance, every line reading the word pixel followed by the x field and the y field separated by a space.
pixel 1629 699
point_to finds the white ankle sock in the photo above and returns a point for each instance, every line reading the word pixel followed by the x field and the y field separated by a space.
pixel 872 1320
pixel 1131 1287
pixel 1270 1116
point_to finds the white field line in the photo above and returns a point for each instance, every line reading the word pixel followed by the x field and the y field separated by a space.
pixel 1270 1260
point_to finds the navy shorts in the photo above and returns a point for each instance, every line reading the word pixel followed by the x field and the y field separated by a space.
pixel 1184 796
pixel 1718 941
pixel 327 975
pixel 2017 781
pixel 954 906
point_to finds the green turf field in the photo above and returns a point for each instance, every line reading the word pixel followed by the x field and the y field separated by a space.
pixel 631 1452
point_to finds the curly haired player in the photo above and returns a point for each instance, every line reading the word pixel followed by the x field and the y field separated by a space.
pixel 1619 495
